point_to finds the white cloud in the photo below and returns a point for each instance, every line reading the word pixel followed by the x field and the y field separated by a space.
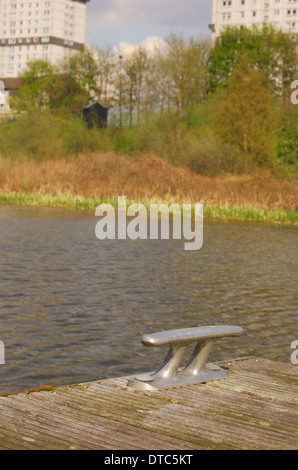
pixel 150 44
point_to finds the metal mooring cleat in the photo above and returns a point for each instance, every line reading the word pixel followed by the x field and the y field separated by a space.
pixel 170 375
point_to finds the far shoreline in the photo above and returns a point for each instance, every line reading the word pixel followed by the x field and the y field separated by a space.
pixel 226 212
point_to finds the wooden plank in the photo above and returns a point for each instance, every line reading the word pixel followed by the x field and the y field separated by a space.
pixel 254 407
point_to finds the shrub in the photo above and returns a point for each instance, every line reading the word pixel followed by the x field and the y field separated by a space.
pixel 34 135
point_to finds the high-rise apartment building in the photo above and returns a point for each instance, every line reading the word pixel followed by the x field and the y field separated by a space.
pixel 281 13
pixel 44 29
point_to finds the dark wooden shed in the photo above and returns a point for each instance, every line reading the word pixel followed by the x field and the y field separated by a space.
pixel 95 115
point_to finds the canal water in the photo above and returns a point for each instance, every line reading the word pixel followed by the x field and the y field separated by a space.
pixel 73 308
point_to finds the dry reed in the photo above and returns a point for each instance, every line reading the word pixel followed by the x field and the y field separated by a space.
pixel 108 175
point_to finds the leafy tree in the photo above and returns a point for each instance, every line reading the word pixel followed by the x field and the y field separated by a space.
pixel 287 141
pixel 184 64
pixel 106 65
pixel 134 85
pixel 34 89
pixel 65 95
pixel 268 50
pixel 245 116
pixel 66 89
pixel 136 67
pixel 82 68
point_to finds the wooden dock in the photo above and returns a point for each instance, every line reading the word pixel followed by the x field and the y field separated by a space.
pixel 254 407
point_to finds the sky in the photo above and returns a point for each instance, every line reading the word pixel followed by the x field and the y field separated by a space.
pixel 133 21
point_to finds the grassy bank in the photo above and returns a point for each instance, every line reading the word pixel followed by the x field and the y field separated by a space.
pixel 69 201
pixel 86 181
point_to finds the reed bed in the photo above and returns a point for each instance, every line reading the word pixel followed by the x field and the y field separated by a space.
pixel 87 180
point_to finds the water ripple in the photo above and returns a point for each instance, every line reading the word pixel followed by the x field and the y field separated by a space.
pixel 73 309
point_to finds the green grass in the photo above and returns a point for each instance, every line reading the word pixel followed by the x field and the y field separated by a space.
pixel 251 214
pixel 69 201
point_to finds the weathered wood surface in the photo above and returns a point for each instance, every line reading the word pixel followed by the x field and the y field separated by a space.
pixel 254 407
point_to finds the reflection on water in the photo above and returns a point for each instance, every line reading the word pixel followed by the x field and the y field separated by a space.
pixel 73 308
